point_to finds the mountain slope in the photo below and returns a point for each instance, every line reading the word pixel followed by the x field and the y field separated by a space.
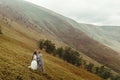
pixel 53 26
pixel 107 35
pixel 113 33
pixel 17 44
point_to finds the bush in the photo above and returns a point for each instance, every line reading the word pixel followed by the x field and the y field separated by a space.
pixel 72 56
pixel 90 67
pixel 104 72
pixel 41 43
pixel 79 62
pixel 60 52
pixel 96 70
pixel 117 77
pixel 49 46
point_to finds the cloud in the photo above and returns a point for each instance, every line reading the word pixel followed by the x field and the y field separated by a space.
pixel 101 12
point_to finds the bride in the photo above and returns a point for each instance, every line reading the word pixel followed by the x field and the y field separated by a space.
pixel 33 65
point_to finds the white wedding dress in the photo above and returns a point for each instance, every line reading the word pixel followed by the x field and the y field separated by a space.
pixel 33 65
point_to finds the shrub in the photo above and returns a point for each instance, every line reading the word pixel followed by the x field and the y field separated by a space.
pixel 72 56
pixel 49 46
pixel 79 62
pixel 117 77
pixel 41 43
pixel 104 72
pixel 90 67
pixel 96 70
pixel 60 52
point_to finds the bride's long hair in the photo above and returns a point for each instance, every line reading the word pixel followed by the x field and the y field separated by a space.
pixel 34 53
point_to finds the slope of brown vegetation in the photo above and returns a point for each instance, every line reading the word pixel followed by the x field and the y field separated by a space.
pixel 92 48
pixel 55 27
pixel 16 47
pixel 15 57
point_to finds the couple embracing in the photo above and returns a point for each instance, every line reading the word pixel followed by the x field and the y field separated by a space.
pixel 37 61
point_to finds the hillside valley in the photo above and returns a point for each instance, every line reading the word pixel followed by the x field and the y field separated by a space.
pixel 23 24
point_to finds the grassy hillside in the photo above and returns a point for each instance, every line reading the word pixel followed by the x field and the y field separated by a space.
pixel 16 47
pixel 36 22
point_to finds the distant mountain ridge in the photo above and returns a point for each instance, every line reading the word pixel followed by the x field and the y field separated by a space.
pixel 59 28
pixel 107 35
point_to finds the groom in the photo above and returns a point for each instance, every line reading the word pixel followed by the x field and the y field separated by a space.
pixel 40 61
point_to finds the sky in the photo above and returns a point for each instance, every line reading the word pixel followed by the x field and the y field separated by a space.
pixel 98 12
